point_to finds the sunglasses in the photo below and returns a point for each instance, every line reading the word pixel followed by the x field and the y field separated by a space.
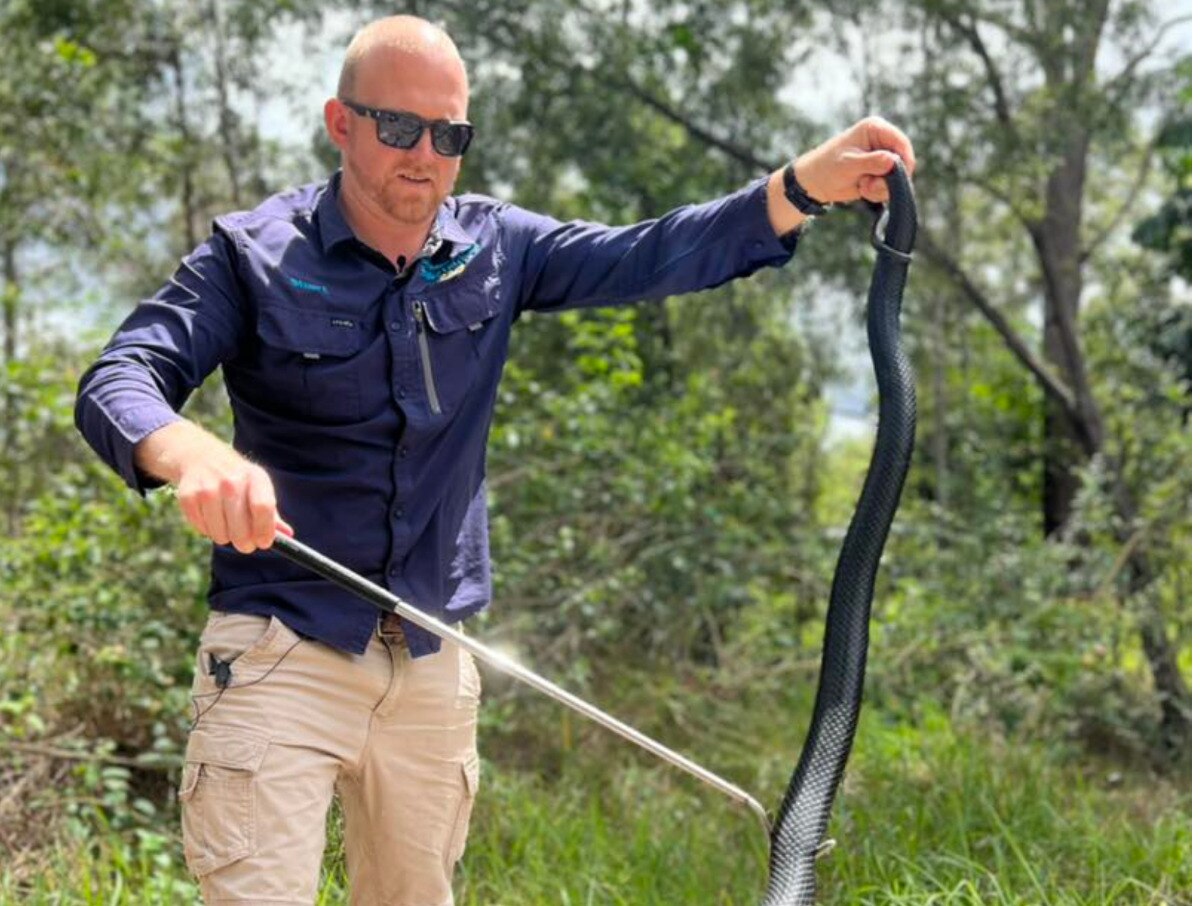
pixel 396 129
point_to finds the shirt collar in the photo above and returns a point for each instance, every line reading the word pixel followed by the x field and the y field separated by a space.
pixel 331 225
pixel 333 229
pixel 450 229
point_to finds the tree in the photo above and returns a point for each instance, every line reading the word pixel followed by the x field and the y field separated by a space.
pixel 1038 117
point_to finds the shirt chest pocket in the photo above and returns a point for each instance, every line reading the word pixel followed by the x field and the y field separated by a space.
pixel 313 362
pixel 457 334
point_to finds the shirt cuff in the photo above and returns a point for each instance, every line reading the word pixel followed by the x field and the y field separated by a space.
pixel 129 428
pixel 767 248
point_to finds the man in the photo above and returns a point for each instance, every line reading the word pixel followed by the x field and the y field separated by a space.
pixel 362 325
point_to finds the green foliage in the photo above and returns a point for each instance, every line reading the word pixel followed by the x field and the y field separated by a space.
pixel 659 529
pixel 101 606
pixel 666 508
pixel 1170 229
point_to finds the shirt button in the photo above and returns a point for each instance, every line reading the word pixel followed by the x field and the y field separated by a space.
pixel 403 451
pixel 393 570
pixel 399 512
pixel 395 325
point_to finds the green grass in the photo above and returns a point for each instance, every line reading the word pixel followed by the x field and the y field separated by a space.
pixel 928 815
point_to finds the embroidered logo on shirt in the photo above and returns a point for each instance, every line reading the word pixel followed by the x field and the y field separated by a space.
pixel 309 287
pixel 342 322
pixel 447 270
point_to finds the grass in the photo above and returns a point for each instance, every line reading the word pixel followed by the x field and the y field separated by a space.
pixel 928 815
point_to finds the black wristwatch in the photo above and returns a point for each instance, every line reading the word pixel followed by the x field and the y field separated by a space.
pixel 795 193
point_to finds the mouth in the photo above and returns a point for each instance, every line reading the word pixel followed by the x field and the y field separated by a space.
pixel 414 180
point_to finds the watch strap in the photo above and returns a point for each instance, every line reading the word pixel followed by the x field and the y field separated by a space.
pixel 795 193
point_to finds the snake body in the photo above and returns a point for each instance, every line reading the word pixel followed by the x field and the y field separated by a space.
pixel 799 830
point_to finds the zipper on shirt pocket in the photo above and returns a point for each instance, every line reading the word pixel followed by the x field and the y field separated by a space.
pixel 426 361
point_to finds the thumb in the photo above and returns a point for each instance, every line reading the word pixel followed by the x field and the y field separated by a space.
pixel 286 529
pixel 871 163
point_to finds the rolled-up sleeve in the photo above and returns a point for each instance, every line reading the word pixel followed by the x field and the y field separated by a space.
pixel 162 352
pixel 578 263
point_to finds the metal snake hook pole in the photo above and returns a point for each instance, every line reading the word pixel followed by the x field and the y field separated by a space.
pixel 799 833
pixel 305 556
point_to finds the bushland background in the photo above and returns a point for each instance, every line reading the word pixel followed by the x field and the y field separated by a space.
pixel 669 483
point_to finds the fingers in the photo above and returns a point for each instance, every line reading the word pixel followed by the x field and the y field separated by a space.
pixel 190 505
pixel 212 514
pixel 261 503
pixel 873 188
pixel 877 140
pixel 882 135
pixel 231 503
pixel 238 521
pixel 876 163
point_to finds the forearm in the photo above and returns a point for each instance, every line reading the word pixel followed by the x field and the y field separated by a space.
pixel 221 493
pixel 163 454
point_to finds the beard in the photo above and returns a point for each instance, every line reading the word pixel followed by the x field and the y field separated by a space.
pixel 413 203
pixel 406 202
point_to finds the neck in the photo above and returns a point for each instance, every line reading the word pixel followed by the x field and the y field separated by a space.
pixel 391 238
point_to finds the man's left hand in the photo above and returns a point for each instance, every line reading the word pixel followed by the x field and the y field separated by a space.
pixel 853 165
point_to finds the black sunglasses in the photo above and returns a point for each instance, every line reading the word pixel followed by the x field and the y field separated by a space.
pixel 397 129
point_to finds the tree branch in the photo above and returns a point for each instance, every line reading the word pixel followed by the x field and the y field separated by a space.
pixel 970 31
pixel 1050 382
pixel 1119 83
pixel 738 153
pixel 949 11
pixel 49 751
pixel 1126 206
pixel 997 195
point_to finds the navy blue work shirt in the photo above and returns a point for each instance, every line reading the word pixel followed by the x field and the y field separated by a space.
pixel 367 393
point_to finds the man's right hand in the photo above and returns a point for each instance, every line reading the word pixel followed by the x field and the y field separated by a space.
pixel 222 494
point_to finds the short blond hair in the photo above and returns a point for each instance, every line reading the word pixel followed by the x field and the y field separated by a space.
pixel 411 34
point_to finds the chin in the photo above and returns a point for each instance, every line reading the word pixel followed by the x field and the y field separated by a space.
pixel 409 211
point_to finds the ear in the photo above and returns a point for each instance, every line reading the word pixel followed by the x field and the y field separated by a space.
pixel 337 123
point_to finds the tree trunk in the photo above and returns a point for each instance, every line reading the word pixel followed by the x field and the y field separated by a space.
pixel 187 187
pixel 12 292
pixel 1069 437
pixel 226 120
pixel 1075 436
pixel 941 346
pixel 1174 696
pixel 10 415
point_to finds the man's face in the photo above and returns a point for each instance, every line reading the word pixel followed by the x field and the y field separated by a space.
pixel 406 185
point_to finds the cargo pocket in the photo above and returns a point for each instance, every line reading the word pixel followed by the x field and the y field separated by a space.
pixel 217 796
pixel 458 834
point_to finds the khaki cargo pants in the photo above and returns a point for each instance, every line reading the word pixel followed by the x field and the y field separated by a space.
pixel 299 720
